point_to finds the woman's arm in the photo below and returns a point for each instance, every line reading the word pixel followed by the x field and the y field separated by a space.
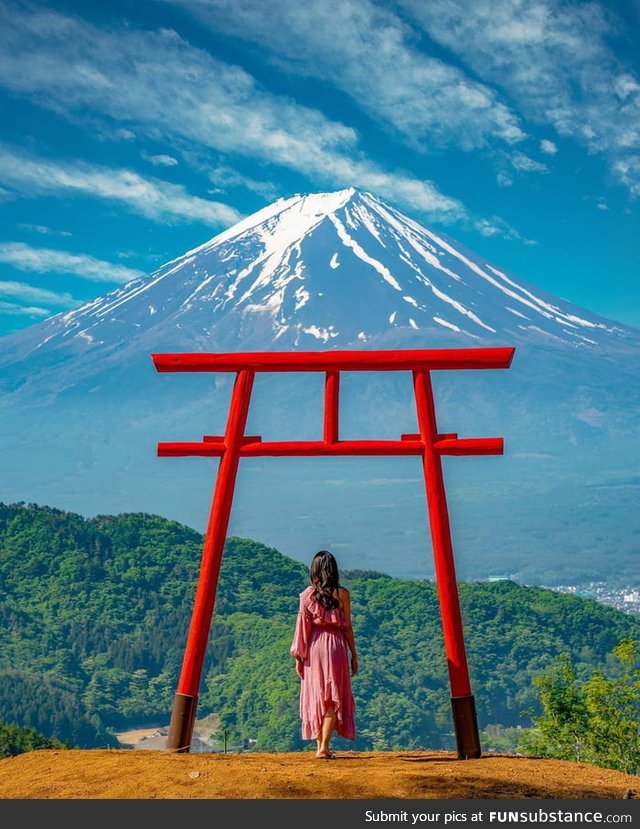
pixel 345 597
pixel 300 644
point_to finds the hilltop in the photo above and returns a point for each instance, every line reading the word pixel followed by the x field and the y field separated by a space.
pixel 151 775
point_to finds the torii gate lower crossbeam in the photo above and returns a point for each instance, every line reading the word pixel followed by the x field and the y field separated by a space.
pixel 428 444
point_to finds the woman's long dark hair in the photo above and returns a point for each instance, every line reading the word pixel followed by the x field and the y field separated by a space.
pixel 325 579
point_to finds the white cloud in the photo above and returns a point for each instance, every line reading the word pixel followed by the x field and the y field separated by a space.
pixel 160 160
pixel 485 228
pixel 28 293
pixel 162 85
pixel 151 197
pixel 123 134
pixel 628 171
pixel 23 310
pixel 548 147
pixel 223 176
pixel 523 163
pixel 369 53
pixel 43 230
pixel 44 260
pixel 419 195
pixel 496 226
pixel 553 59
pixel 504 180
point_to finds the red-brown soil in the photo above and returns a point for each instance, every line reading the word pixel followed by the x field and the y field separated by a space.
pixel 120 774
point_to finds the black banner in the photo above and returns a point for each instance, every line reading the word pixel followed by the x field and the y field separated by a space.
pixel 330 814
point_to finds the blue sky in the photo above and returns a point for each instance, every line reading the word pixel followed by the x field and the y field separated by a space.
pixel 132 132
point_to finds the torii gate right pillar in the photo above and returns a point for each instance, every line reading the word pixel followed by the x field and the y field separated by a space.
pixel 465 720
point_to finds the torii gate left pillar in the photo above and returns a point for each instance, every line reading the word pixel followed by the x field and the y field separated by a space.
pixel 428 444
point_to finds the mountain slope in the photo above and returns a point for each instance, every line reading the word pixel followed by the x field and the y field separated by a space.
pixel 81 407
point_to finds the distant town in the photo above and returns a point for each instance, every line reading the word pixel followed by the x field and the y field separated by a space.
pixel 622 598
pixel 625 598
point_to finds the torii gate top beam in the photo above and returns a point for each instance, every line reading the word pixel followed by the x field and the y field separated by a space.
pixel 404 360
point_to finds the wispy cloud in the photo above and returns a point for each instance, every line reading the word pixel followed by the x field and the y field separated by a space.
pixel 29 293
pixel 160 160
pixel 44 230
pixel 123 134
pixel 628 170
pixel 523 163
pixel 44 260
pixel 548 147
pixel 369 53
pixel 159 83
pixel 552 58
pixel 504 179
pixel 150 197
pixel 497 226
pixel 223 176
pixel 23 310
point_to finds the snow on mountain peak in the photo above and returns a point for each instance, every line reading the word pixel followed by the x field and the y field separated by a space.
pixel 298 213
pixel 338 269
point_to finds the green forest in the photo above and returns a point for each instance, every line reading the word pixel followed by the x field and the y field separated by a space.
pixel 94 613
pixel 15 739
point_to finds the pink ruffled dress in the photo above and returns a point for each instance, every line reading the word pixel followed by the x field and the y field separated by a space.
pixel 320 641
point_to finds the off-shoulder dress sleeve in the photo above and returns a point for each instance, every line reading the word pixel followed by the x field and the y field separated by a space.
pixel 300 644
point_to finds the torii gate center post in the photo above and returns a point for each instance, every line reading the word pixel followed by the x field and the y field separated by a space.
pixel 427 444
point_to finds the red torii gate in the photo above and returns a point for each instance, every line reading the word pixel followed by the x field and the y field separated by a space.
pixel 427 443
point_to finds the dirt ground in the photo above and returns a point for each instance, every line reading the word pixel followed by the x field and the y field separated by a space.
pixel 122 774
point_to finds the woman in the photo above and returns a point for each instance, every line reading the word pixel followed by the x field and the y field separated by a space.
pixel 323 634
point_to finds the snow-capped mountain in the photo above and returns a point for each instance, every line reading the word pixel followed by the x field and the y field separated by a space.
pixel 82 407
pixel 321 271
